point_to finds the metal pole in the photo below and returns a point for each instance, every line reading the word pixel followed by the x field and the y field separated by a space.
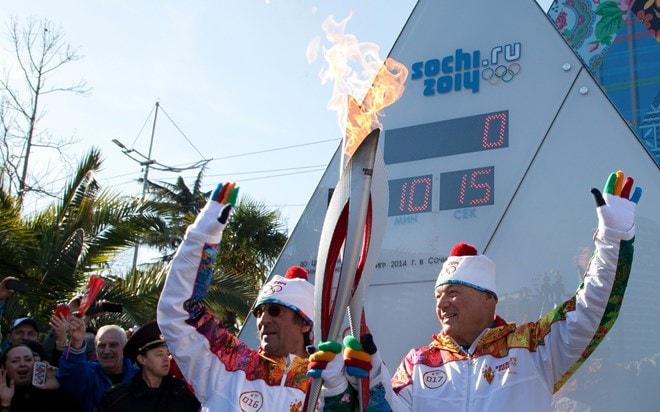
pixel 151 145
pixel 146 175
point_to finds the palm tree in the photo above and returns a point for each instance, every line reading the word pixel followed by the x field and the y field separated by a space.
pixel 251 243
pixel 84 232
pixel 138 291
pixel 180 205
pixel 56 249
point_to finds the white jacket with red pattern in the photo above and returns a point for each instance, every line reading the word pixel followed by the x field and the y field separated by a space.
pixel 518 368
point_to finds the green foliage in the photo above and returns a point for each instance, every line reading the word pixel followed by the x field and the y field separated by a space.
pixel 56 249
pixel 138 291
pixel 88 228
pixel 178 206
pixel 251 243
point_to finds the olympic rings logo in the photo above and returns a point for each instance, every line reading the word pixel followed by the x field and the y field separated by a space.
pixel 450 267
pixel 501 72
pixel 271 289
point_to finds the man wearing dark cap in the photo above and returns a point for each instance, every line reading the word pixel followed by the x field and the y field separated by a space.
pixel 479 362
pixel 153 389
pixel 224 372
pixel 22 330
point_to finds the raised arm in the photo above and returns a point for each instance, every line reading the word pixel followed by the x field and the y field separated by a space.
pixel 186 324
pixel 572 331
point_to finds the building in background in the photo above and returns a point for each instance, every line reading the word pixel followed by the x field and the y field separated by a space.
pixel 619 41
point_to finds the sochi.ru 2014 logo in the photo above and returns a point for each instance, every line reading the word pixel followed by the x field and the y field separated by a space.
pixel 465 70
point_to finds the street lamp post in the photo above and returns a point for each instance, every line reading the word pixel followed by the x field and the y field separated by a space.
pixel 147 162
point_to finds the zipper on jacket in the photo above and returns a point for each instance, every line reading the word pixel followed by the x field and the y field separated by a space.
pixel 287 366
pixel 281 394
pixel 469 381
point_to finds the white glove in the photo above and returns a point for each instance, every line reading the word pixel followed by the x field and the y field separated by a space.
pixel 213 218
pixel 615 210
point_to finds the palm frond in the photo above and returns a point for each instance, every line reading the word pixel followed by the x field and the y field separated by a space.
pixel 81 188
pixel 138 291
pixel 231 291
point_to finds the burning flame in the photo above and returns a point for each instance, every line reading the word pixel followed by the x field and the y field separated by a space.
pixel 356 70
pixel 385 90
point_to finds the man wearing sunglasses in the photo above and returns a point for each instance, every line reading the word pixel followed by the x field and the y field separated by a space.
pixel 225 374
pixel 283 313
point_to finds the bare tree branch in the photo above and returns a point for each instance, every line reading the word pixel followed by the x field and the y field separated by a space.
pixel 40 51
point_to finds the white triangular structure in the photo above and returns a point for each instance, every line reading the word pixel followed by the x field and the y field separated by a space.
pixel 499 136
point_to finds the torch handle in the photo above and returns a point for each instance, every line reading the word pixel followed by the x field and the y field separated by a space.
pixel 352 194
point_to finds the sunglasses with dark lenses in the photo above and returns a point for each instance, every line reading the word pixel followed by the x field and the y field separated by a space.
pixel 273 310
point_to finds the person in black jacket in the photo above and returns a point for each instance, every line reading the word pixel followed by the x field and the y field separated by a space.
pixel 153 389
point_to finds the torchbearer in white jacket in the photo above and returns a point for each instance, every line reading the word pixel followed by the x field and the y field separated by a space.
pixel 479 362
pixel 225 374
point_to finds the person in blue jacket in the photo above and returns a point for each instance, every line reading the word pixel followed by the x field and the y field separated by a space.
pixel 86 380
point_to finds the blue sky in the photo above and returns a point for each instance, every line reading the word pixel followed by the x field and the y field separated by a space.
pixel 232 76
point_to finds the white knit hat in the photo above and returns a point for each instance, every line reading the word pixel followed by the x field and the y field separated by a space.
pixel 293 291
pixel 465 267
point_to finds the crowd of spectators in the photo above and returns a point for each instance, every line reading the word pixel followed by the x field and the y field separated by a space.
pixel 69 367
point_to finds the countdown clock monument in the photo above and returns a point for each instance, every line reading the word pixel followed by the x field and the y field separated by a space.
pixel 497 140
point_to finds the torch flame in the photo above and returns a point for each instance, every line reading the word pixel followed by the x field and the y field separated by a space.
pixel 356 70
pixel 387 87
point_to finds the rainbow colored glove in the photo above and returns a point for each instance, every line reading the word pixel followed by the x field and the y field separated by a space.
pixel 213 218
pixel 362 361
pixel 616 208
pixel 325 364
pixel 225 194
pixel 209 224
pixel 357 359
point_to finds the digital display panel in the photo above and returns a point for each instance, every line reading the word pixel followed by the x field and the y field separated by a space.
pixel 447 137
pixel 467 188
pixel 410 195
